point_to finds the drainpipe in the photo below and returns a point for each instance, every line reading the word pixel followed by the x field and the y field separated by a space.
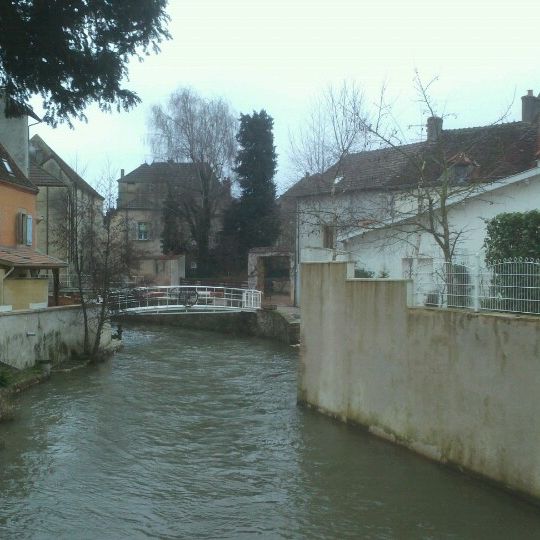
pixel 297 257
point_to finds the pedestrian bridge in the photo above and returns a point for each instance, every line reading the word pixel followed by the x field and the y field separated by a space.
pixel 184 299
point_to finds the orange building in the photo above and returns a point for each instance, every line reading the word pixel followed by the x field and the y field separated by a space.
pixel 17 204
pixel 23 285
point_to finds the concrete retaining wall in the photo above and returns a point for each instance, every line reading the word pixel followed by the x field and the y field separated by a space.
pixel 456 386
pixel 266 324
pixel 52 334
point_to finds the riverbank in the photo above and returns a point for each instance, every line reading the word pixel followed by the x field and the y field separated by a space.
pixel 280 324
pixel 13 380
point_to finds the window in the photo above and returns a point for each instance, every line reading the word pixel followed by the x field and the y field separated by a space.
pixel 328 236
pixel 143 230
pixel 24 228
pixel 7 166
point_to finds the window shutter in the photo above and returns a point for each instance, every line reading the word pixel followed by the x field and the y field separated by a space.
pixel 28 230
pixel 20 224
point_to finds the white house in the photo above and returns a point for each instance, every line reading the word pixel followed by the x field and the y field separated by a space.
pixel 372 207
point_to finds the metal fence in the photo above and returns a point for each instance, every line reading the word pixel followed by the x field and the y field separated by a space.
pixel 184 298
pixel 510 285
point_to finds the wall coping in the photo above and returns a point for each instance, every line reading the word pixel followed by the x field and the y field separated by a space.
pixel 39 310
pixel 470 313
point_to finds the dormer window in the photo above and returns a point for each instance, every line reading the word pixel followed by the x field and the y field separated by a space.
pixel 7 166
pixel 462 168
pixel 461 172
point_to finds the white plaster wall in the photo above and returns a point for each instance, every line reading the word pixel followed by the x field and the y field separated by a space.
pixel 384 250
pixel 46 334
pixel 456 386
pixel 343 209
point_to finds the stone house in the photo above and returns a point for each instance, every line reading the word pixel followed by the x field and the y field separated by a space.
pixel 64 197
pixel 142 194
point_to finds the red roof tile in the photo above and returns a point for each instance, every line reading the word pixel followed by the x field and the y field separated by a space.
pixel 25 257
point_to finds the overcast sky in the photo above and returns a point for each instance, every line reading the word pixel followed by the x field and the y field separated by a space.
pixel 280 54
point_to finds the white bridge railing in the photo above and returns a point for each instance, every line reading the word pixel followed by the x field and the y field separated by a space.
pixel 184 298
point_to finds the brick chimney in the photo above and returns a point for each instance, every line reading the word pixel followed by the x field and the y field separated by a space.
pixel 530 107
pixel 434 128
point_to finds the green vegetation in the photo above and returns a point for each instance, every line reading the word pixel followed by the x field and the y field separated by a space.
pixel 75 52
pixel 5 378
pixel 253 220
pixel 511 235
pixel 516 284
pixel 363 273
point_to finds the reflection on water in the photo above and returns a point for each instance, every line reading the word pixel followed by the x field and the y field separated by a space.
pixel 187 434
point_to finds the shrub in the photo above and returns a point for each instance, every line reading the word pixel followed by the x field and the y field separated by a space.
pixel 512 235
pixel 515 285
pixel 363 273
pixel 5 378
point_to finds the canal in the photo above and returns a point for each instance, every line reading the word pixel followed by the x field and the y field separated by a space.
pixel 186 434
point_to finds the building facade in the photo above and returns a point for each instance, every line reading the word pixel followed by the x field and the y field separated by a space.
pixel 145 194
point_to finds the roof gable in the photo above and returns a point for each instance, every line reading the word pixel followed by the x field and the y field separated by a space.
pixel 41 153
pixel 159 172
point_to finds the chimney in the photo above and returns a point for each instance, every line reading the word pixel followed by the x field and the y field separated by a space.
pixel 14 136
pixel 434 128
pixel 530 107
pixel 121 173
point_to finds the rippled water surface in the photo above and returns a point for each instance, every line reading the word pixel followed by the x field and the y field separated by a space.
pixel 193 435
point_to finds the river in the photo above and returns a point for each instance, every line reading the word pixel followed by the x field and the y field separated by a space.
pixel 187 434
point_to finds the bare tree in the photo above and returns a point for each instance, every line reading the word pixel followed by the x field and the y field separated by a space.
pixel 436 174
pixel 95 237
pixel 201 131
pixel 337 126
pixel 405 188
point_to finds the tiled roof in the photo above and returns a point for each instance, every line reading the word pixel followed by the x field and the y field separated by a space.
pixel 184 173
pixel 40 177
pixel 495 152
pixel 25 257
pixel 42 152
pixel 10 172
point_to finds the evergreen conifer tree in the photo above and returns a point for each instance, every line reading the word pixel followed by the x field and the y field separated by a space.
pixel 253 220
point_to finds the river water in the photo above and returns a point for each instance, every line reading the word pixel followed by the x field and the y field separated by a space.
pixel 187 434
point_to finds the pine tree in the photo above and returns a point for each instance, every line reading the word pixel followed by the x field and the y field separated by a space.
pixel 75 52
pixel 254 220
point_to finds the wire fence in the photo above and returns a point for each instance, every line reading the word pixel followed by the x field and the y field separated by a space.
pixel 510 285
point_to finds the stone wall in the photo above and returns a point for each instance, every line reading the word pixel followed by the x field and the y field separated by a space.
pixel 265 324
pixel 52 334
pixel 457 386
